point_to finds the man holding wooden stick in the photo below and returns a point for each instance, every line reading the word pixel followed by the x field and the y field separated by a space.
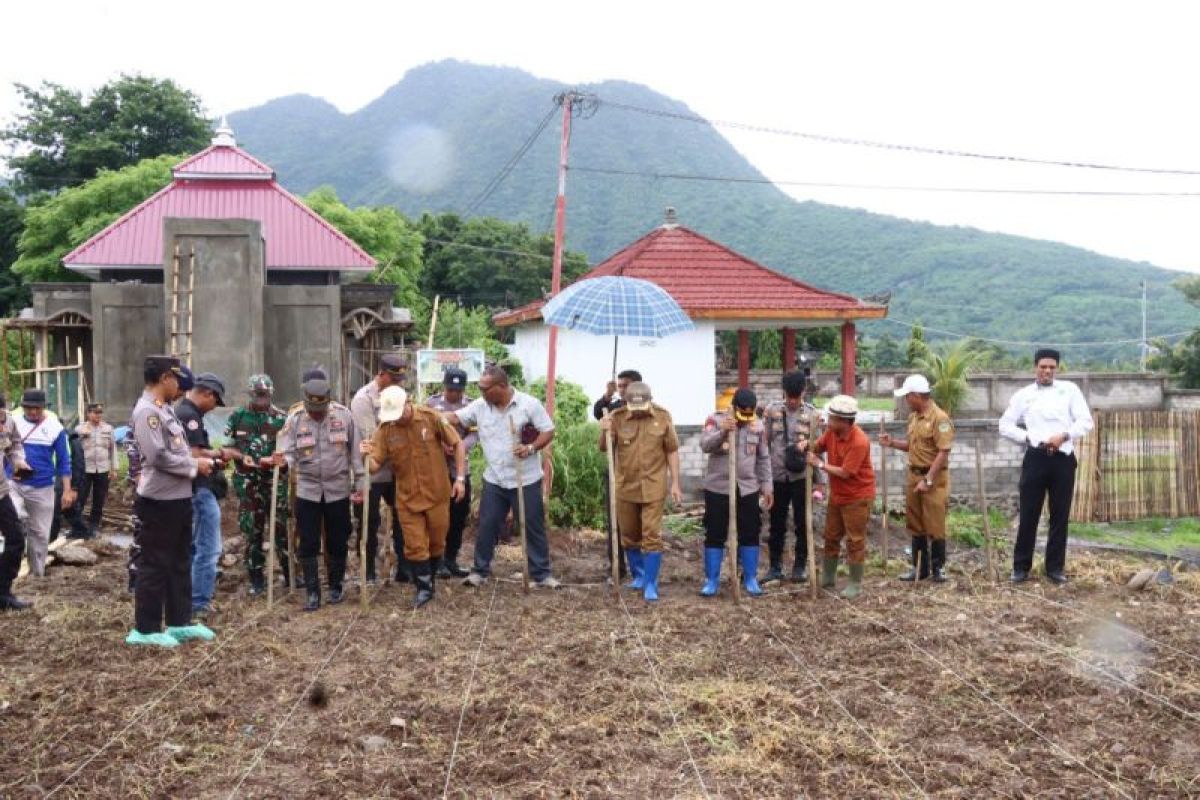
pixel 411 441
pixel 646 450
pixel 788 425
pixel 927 490
pixel 1048 417
pixel 491 414
pixel 851 492
pixel 321 447
pixel 752 457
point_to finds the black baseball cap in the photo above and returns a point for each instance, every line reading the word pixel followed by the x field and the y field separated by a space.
pixel 207 380
pixel 454 378
pixel 745 398
pixel 316 392
pixel 34 398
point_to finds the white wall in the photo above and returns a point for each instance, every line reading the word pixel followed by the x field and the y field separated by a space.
pixel 680 369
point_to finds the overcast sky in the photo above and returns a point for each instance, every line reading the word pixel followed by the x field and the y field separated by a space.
pixel 1110 83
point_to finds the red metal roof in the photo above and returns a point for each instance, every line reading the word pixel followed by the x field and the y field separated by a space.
pixel 226 161
pixel 225 183
pixel 711 281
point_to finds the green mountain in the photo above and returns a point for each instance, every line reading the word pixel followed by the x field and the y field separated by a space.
pixel 435 140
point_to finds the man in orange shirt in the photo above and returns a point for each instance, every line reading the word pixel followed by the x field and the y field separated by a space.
pixel 851 492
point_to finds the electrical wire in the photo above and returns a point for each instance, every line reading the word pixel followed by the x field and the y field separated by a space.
pixel 509 165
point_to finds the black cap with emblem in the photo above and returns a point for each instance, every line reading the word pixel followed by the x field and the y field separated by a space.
pixel 154 367
pixel 454 378
pixel 34 398
pixel 316 394
pixel 209 381
pixel 393 364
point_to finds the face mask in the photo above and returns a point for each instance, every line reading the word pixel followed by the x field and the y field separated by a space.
pixel 744 415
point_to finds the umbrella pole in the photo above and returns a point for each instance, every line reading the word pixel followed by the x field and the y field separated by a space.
pixel 616 339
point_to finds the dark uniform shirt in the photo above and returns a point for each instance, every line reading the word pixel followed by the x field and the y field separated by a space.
pixel 192 420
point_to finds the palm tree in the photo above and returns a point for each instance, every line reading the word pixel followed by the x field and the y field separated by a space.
pixel 948 369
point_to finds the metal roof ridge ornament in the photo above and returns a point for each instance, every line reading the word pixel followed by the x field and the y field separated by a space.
pixel 672 219
pixel 224 134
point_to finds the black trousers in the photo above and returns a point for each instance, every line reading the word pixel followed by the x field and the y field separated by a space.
pixel 164 582
pixel 336 516
pixel 96 485
pixel 14 544
pixel 716 519
pixel 788 495
pixel 382 492
pixel 1044 476
pixel 459 512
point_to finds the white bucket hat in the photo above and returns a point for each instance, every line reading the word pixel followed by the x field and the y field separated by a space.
pixel 843 405
pixel 913 384
pixel 391 403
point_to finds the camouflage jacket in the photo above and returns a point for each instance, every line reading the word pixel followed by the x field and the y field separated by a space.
pixel 253 432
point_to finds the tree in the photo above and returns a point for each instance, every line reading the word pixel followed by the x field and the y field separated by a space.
pixel 489 262
pixel 13 294
pixel 56 225
pixel 917 350
pixel 62 139
pixel 888 353
pixel 948 371
pixel 387 236
pixel 1182 360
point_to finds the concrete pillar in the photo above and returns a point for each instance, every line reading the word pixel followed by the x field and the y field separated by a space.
pixel 849 356
pixel 743 359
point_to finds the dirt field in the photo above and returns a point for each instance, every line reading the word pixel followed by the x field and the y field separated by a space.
pixel 960 691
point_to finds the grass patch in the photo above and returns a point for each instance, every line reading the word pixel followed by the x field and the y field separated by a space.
pixel 683 527
pixel 1169 536
pixel 966 527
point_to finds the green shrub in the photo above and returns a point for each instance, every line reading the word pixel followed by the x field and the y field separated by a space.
pixel 571 405
pixel 577 496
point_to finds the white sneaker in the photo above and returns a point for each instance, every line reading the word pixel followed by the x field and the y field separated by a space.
pixel 474 580
pixel 548 582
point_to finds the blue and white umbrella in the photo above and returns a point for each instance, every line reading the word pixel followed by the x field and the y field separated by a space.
pixel 617 306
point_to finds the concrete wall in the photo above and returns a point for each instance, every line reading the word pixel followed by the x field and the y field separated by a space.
pixel 1183 399
pixel 679 368
pixel 301 327
pixel 127 324
pixel 1001 465
pixel 227 314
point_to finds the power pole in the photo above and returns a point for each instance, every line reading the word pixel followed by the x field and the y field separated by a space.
pixel 572 103
pixel 1145 341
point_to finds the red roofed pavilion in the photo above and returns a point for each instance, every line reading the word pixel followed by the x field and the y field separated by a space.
pixel 724 288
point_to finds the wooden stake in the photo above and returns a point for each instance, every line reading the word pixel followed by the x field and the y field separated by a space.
pixel 516 437
pixel 269 538
pixel 362 534
pixel 883 483
pixel 614 553
pixel 983 509
pixel 731 537
pixel 814 587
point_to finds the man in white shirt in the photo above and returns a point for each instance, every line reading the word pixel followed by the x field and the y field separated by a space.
pixel 1049 417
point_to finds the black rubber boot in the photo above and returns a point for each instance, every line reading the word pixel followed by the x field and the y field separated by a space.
pixel 9 602
pixel 920 554
pixel 799 572
pixel 774 571
pixel 423 578
pixel 938 561
pixel 337 570
pixel 258 582
pixel 312 584
pixel 371 578
pixel 402 570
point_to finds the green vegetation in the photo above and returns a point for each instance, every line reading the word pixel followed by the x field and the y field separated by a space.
pixel 577 496
pixel 1169 536
pixel 966 527
pixel 1182 359
pixel 948 369
pixel 683 527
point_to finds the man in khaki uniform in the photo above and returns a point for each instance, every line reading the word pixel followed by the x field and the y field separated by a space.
pixel 927 490
pixel 410 441
pixel 646 448
pixel 99 468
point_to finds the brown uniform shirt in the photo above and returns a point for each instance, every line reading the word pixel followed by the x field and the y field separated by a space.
pixel 927 434
pixel 413 449
pixel 643 443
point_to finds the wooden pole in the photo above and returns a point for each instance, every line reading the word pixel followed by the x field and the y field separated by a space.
pixel 813 587
pixel 362 534
pixel 983 509
pixel 731 537
pixel 516 437
pixel 883 483
pixel 269 538
pixel 615 544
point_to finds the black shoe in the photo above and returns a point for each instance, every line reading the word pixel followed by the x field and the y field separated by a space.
pixel 313 601
pixel 9 602
pixel 1057 578
pixel 335 595
pixel 258 582
pixel 1019 576
pixel 773 573
pixel 799 573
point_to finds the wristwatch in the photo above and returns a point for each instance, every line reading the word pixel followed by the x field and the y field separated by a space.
pixel 928 483
pixel 460 479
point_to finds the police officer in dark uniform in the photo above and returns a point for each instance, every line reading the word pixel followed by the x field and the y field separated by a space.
pixel 164 506
pixel 454 398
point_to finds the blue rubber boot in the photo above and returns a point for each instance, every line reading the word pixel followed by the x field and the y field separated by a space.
pixel 653 563
pixel 712 570
pixel 749 558
pixel 636 568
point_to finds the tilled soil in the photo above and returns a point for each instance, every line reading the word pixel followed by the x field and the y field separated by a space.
pixel 962 690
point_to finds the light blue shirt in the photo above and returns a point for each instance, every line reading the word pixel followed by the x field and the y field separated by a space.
pixel 497 439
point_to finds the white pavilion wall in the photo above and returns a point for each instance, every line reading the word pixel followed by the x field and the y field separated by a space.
pixel 681 369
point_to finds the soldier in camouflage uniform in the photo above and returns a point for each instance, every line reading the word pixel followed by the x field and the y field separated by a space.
pixel 251 430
